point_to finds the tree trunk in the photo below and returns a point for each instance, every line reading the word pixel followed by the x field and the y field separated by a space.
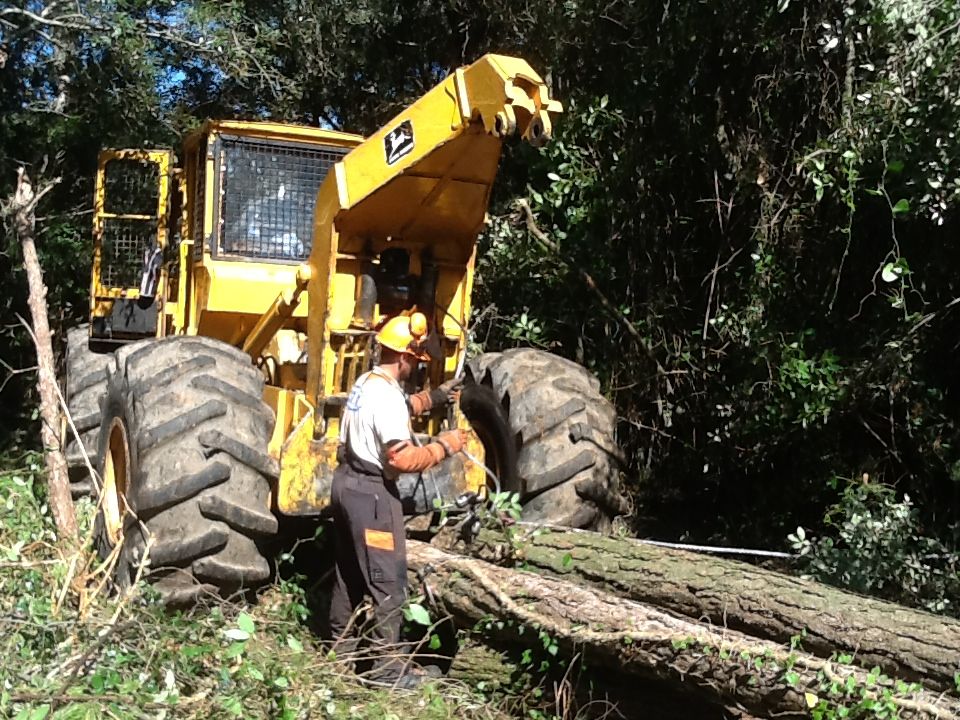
pixel 622 636
pixel 501 676
pixel 21 208
pixel 909 644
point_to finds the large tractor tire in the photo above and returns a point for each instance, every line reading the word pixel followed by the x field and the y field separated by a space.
pixel 186 475
pixel 562 431
pixel 84 386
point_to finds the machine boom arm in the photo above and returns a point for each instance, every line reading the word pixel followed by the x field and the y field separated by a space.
pixel 425 175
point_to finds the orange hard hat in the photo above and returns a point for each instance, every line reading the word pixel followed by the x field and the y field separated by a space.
pixel 405 335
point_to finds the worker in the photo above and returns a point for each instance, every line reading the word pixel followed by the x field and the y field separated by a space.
pixel 376 446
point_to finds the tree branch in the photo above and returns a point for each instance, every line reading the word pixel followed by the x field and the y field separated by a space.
pixel 591 284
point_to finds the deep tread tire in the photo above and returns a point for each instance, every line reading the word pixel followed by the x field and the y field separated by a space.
pixel 199 474
pixel 568 461
pixel 84 387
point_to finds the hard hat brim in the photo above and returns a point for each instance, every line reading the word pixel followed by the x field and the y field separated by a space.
pixel 424 356
pixel 418 354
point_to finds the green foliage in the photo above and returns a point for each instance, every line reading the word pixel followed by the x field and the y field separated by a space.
pixel 417 613
pixel 772 207
pixel 64 659
pixel 767 192
pixel 844 696
pixel 877 546
pixel 507 503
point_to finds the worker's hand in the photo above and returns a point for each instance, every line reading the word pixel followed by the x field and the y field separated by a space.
pixel 447 393
pixel 453 440
pixel 451 389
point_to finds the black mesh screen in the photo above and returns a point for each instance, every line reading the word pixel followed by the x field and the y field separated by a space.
pixel 131 187
pixel 199 200
pixel 269 192
pixel 122 250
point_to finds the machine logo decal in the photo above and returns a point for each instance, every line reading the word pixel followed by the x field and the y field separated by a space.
pixel 398 142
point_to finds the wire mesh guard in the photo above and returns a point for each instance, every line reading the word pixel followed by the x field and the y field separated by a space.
pixel 124 244
pixel 199 200
pixel 131 187
pixel 269 193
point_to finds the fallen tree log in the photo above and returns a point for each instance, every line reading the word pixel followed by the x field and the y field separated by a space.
pixel 629 638
pixel 909 644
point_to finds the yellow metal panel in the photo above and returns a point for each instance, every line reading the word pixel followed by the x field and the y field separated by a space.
pixel 343 291
pixel 320 291
pixel 306 470
pixel 247 287
pixel 278 131
pixel 291 407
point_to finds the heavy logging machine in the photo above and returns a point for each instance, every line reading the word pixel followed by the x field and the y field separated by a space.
pixel 234 300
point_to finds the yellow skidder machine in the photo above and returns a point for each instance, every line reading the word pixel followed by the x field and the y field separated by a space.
pixel 234 300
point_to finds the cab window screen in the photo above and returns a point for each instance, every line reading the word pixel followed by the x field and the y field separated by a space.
pixel 269 194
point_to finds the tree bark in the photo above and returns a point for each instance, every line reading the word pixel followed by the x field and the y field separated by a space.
pixel 622 636
pixel 909 644
pixel 21 208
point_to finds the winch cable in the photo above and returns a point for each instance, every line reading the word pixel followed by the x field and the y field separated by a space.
pixel 488 471
pixel 461 366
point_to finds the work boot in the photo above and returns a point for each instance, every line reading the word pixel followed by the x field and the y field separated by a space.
pixel 406 681
pixel 428 672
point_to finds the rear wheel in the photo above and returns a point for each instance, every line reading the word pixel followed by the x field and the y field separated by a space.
pixel 86 382
pixel 186 475
pixel 547 413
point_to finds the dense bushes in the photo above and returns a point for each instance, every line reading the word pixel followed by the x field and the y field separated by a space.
pixel 766 191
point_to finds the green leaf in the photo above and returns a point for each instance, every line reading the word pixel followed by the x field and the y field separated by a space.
pixel 902 206
pixel 895 166
pixel 235 649
pixel 893 271
pixel 233 706
pixel 417 613
pixel 294 644
pixel 245 622
pixel 434 642
pixel 567 559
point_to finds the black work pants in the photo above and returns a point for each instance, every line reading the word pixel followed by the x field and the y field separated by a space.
pixel 371 561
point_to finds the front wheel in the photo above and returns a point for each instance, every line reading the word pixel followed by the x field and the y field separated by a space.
pixel 551 434
pixel 186 475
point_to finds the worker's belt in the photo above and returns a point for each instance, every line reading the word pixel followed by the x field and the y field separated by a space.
pixel 358 465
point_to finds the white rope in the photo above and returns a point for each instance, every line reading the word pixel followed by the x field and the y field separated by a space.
pixel 718 550
pixel 496 480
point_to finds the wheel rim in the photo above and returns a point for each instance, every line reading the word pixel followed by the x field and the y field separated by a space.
pixel 116 469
